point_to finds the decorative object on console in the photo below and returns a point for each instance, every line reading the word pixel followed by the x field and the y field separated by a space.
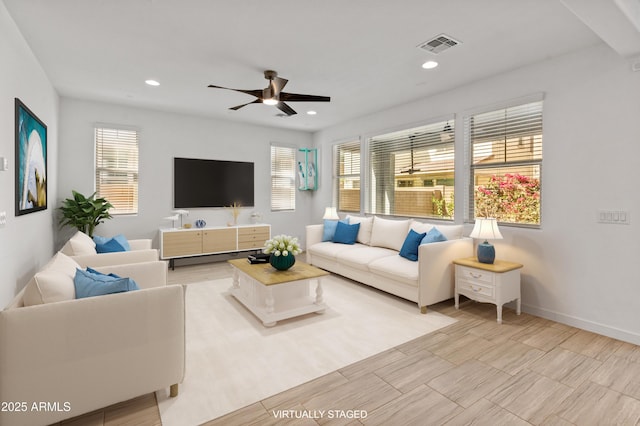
pixel 200 223
pixel 84 213
pixel 283 249
pixel 235 212
pixel 181 213
pixel 256 217
pixel 486 229
pixel 172 219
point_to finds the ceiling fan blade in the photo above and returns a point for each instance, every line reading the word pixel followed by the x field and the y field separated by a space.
pixel 285 108
pixel 294 97
pixel 257 93
pixel 237 107
pixel 277 84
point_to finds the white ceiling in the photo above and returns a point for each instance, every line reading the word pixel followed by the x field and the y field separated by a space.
pixel 362 53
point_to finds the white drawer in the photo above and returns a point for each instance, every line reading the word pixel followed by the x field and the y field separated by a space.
pixel 475 275
pixel 476 288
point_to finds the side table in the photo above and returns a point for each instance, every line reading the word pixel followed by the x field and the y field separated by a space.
pixel 496 283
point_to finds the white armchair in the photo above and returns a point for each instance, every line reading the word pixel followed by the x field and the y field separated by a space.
pixel 82 249
pixel 86 354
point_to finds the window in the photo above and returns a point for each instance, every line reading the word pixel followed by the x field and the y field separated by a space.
pixel 506 160
pixel 411 172
pixel 117 168
pixel 283 178
pixel 347 176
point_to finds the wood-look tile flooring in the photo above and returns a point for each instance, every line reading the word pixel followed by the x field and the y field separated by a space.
pixel 528 370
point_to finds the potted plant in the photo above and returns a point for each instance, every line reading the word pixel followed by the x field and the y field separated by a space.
pixel 84 213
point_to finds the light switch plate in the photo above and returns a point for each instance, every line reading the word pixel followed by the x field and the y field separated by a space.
pixel 3 218
pixel 4 164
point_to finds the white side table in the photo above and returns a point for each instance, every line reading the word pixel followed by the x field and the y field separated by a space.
pixel 496 283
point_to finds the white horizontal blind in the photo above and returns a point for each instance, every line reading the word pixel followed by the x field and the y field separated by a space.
pixel 411 172
pixel 506 159
pixel 117 168
pixel 283 178
pixel 347 176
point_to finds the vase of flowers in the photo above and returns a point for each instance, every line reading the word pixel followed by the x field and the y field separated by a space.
pixel 283 250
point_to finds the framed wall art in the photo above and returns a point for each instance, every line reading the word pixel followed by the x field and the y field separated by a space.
pixel 31 161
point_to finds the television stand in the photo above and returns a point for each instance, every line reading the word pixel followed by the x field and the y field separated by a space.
pixel 182 243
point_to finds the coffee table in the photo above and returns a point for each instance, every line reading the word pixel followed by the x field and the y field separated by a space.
pixel 274 295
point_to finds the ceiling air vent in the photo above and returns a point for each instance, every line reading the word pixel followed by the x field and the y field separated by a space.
pixel 439 43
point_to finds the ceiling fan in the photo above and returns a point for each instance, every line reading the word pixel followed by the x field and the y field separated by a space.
pixel 273 94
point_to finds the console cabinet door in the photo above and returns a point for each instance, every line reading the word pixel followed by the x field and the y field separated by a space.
pixel 252 237
pixel 219 240
pixel 182 243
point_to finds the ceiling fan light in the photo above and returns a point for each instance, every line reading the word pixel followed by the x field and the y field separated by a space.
pixel 270 101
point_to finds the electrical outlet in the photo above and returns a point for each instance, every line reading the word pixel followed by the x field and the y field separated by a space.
pixel 3 218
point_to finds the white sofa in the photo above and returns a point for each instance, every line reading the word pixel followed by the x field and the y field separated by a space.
pixel 374 259
pixel 78 355
pixel 82 249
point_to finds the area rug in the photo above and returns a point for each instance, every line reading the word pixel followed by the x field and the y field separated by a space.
pixel 232 360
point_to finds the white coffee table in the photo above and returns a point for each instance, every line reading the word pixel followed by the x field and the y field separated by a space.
pixel 273 295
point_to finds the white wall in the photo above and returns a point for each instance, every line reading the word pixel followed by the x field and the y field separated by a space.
pixel 26 242
pixel 162 137
pixel 576 271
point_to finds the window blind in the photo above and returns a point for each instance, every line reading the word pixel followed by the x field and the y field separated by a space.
pixel 283 178
pixel 117 168
pixel 506 157
pixel 411 172
pixel 347 176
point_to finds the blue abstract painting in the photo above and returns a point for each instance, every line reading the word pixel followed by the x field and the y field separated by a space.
pixel 31 161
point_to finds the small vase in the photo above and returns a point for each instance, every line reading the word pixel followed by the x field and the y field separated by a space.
pixel 282 263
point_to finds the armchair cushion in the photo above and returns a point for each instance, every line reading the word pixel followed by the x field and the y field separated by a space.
pixel 89 284
pixel 53 283
pixel 79 244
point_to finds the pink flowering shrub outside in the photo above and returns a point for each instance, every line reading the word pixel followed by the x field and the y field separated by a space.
pixel 511 198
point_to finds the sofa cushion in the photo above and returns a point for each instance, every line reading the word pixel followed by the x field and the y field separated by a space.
pixel 396 268
pixel 330 250
pixel 89 284
pixel 364 233
pixel 329 228
pixel 346 233
pixel 53 283
pixel 362 256
pixel 389 233
pixel 433 236
pixel 409 248
pixel 78 245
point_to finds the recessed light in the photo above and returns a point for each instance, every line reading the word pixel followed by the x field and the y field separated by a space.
pixel 152 83
pixel 311 112
pixel 429 65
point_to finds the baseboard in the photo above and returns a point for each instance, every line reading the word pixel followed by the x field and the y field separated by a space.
pixel 605 330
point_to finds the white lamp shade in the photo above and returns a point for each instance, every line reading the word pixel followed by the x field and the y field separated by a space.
pixel 330 213
pixel 486 229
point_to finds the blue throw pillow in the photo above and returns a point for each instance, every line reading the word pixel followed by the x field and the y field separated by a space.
pixel 88 284
pixel 409 248
pixel 110 245
pixel 330 228
pixel 433 236
pixel 345 233
pixel 94 272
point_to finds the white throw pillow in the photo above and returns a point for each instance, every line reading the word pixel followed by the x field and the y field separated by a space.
pixel 452 232
pixel 79 245
pixel 421 227
pixel 53 283
pixel 389 233
pixel 364 233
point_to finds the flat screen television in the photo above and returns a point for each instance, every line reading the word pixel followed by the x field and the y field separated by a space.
pixel 211 183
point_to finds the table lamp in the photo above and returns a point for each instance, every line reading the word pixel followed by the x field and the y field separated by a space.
pixel 330 213
pixel 486 229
